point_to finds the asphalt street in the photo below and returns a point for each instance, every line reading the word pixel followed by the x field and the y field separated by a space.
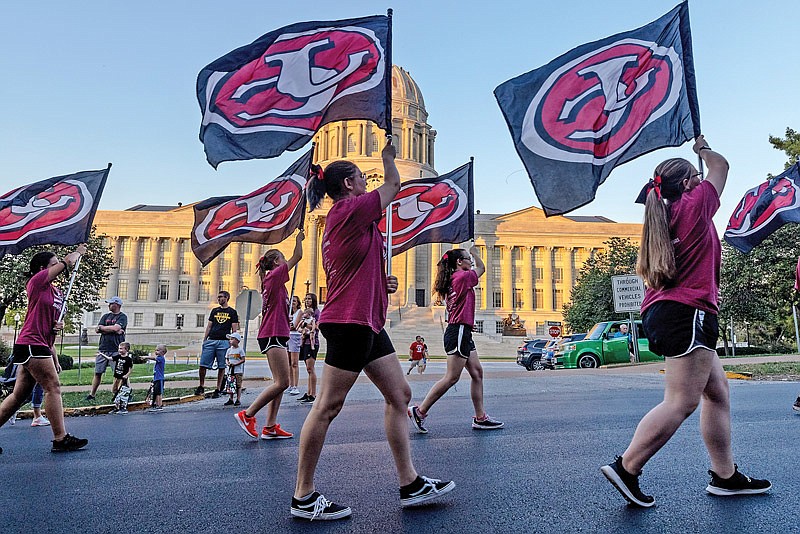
pixel 191 469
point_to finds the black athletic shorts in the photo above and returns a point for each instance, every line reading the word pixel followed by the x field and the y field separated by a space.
pixel 23 353
pixel 458 340
pixel 674 329
pixel 351 347
pixel 307 352
pixel 158 387
pixel 266 343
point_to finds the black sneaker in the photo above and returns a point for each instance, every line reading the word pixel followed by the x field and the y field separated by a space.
pixel 737 484
pixel 303 398
pixel 419 421
pixel 316 506
pixel 627 484
pixel 90 397
pixel 69 443
pixel 309 400
pixel 486 424
pixel 199 390
pixel 228 402
pixel 237 403
pixel 796 405
pixel 424 489
pixel 215 395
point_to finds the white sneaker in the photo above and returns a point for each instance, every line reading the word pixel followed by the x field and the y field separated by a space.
pixel 294 391
pixel 13 419
pixel 40 421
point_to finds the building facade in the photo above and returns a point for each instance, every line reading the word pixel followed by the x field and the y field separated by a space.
pixel 532 262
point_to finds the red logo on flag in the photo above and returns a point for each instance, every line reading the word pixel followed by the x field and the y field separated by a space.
pixel 296 79
pixel 264 210
pixel 418 208
pixel 594 107
pixel 64 204
pixel 760 205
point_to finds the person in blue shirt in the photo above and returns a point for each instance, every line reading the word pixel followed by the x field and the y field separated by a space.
pixel 158 376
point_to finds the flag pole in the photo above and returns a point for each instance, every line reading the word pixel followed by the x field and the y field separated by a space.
pixel 300 227
pixel 796 330
pixel 63 311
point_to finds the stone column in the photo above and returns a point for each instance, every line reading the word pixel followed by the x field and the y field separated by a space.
pixel 194 285
pixel 155 255
pixel 507 277
pixel 547 284
pixel 527 277
pixel 235 251
pixel 113 277
pixel 133 273
pixel 253 281
pixel 489 287
pixel 215 270
pixel 411 277
pixel 313 252
pixel 175 269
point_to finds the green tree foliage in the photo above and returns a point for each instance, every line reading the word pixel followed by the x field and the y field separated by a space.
pixel 790 144
pixel 90 280
pixel 591 299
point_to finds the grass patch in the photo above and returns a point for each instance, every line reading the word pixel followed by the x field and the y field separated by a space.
pixel 89 351
pixel 768 371
pixel 77 399
pixel 140 373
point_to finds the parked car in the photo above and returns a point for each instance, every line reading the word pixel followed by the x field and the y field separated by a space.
pixel 601 346
pixel 529 354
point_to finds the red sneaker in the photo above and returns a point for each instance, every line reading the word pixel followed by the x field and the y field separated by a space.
pixel 275 432
pixel 248 424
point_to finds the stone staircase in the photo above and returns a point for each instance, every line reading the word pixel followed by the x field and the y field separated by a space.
pixel 404 324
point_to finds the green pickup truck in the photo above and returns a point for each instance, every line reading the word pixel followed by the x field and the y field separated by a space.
pixel 604 345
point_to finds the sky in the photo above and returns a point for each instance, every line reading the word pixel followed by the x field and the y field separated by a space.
pixel 91 82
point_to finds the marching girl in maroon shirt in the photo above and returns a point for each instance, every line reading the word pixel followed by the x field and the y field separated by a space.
pixel 352 322
pixel 455 284
pixel 273 340
pixel 34 350
pixel 679 259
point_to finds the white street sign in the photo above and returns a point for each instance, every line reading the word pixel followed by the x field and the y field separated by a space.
pixel 628 291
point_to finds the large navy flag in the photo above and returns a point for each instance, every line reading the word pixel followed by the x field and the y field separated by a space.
pixel 268 215
pixel 56 211
pixel 764 209
pixel 433 210
pixel 275 93
pixel 600 105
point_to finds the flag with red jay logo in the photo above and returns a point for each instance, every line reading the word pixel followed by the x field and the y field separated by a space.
pixel 600 105
pixel 764 209
pixel 275 93
pixel 56 211
pixel 432 210
pixel 268 215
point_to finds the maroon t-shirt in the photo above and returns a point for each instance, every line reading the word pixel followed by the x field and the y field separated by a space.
pixel 461 298
pixel 44 306
pixel 275 303
pixel 417 350
pixel 353 259
pixel 698 252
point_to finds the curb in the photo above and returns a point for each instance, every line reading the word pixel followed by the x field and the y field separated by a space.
pixel 730 375
pixel 104 409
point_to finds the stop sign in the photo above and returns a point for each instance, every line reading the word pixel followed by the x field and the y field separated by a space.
pixel 554 331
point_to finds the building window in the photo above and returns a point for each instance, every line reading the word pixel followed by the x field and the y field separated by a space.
pixel 478 297
pixel 496 272
pixel 96 316
pixel 183 290
pixel 541 328
pixel 558 254
pixel 142 289
pixel 558 301
pixel 163 264
pixel 517 253
pixel 414 148
pixel 184 260
pixel 375 147
pixel 247 248
pixel 225 268
pixel 159 319
pixel 497 299
pixel 351 143
pixel 205 271
pixel 122 288
pixel 200 320
pixel 498 327
pixel 224 286
pixel 163 290
pixel 558 275
pixel 204 294
pixel 538 299
pixel 138 319
pixel 178 321
pixel 333 150
pixel 144 263
pixel 244 267
pixel 125 244
pixel 497 253
pixel 479 327
pixel 519 300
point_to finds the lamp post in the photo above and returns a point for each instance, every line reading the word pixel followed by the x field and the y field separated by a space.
pixel 16 326
pixel 308 287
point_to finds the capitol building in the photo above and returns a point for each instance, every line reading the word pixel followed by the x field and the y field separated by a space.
pixel 532 262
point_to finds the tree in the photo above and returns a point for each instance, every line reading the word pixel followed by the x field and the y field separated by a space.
pixel 790 145
pixel 90 280
pixel 591 300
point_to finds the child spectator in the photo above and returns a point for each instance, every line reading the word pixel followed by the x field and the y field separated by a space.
pixel 158 376
pixel 234 358
pixel 123 365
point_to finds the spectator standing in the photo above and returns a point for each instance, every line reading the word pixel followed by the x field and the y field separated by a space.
pixel 416 353
pixel 235 358
pixel 222 320
pixel 158 376
pixel 111 328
